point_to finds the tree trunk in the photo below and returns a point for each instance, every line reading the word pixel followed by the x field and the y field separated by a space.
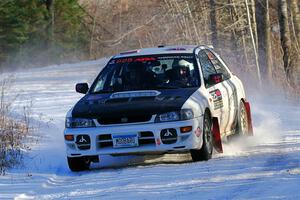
pixel 50 28
pixel 296 17
pixel 93 28
pixel 254 23
pixel 213 23
pixel 285 37
pixel 253 42
pixel 49 4
pixel 264 38
pixel 234 39
pixel 295 12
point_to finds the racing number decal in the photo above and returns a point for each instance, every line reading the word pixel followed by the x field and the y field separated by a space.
pixel 217 98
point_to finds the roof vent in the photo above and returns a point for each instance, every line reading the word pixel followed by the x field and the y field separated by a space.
pixel 161 46
pixel 129 52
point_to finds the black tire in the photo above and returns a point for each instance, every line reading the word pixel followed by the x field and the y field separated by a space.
pixel 242 128
pixel 77 164
pixel 205 153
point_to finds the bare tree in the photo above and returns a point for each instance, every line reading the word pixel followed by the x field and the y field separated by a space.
pixel 213 23
pixel 93 27
pixel 264 38
pixel 285 37
pixel 50 8
pixel 254 22
pixel 296 19
pixel 295 25
pixel 253 42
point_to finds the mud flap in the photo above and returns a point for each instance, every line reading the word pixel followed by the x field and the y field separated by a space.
pixel 248 110
pixel 217 135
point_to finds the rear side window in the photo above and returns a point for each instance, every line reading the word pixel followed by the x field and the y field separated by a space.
pixel 219 67
pixel 207 67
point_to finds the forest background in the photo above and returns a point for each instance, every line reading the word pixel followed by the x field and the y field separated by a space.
pixel 259 39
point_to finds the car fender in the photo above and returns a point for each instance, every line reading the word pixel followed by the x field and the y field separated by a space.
pixel 239 87
pixel 198 102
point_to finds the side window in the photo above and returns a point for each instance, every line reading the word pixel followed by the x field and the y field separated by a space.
pixel 220 68
pixel 207 67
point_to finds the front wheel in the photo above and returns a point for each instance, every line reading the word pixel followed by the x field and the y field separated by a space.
pixel 77 164
pixel 205 153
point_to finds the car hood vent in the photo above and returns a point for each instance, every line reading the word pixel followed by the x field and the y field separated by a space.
pixel 132 94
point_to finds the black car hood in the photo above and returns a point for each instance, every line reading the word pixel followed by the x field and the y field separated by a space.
pixel 101 105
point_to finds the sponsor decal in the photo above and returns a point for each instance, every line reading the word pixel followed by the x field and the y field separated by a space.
pixel 217 79
pixel 129 60
pixel 168 133
pixel 82 140
pixel 217 98
pixel 168 136
pixel 198 132
pixel 175 57
pixel 146 59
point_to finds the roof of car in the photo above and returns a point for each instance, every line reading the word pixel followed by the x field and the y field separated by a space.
pixel 158 50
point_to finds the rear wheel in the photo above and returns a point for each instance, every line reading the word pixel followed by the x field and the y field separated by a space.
pixel 242 125
pixel 205 153
pixel 77 164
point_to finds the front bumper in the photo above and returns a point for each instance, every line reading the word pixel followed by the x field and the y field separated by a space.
pixel 154 144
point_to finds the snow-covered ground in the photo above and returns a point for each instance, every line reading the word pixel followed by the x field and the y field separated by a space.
pixel 266 166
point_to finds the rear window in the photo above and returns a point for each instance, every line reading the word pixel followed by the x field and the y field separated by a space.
pixel 148 73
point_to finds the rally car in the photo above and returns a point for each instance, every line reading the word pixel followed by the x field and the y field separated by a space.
pixel 169 99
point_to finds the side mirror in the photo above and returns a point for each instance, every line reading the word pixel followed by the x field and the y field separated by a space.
pixel 215 78
pixel 82 88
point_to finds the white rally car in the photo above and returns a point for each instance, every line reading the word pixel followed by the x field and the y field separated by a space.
pixel 169 99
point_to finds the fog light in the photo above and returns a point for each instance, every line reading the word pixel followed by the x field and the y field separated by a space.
pixel 69 137
pixel 186 129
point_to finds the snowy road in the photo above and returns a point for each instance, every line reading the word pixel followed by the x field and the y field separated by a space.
pixel 266 166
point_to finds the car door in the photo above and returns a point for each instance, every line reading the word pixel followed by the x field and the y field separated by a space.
pixel 217 92
pixel 231 105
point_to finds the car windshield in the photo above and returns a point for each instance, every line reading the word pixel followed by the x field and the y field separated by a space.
pixel 148 73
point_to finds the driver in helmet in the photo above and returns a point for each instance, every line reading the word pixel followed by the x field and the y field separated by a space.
pixel 181 73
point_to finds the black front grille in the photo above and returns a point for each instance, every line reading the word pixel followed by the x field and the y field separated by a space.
pixel 146 137
pixel 124 119
pixel 105 137
pixel 105 141
pixel 146 134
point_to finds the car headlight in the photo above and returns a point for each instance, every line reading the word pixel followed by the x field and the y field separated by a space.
pixel 184 114
pixel 79 123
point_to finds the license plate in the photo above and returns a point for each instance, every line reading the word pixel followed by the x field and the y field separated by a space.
pixel 130 140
